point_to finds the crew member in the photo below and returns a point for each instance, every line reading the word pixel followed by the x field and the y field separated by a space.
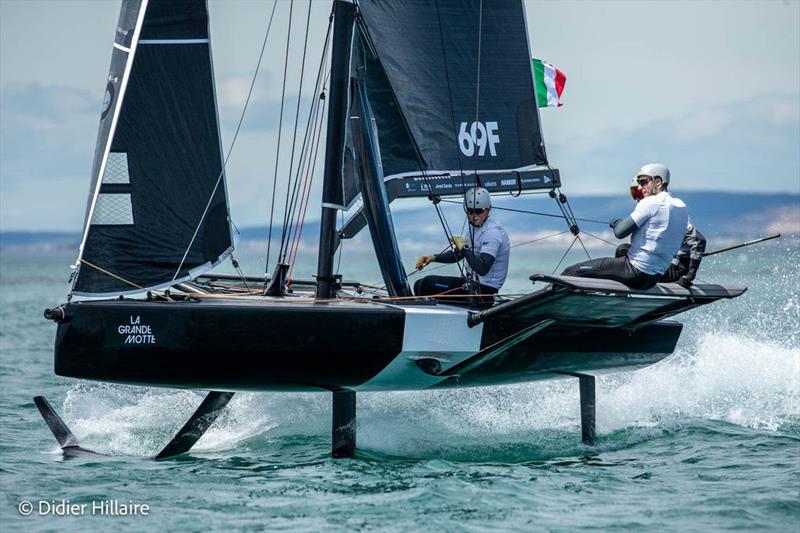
pixel 685 264
pixel 484 247
pixel 657 226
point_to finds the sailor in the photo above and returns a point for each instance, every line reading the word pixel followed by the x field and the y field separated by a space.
pixel 657 226
pixel 685 264
pixel 485 248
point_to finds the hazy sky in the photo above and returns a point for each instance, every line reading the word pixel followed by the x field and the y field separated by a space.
pixel 710 88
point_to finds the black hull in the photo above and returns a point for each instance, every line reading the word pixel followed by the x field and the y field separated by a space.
pixel 272 346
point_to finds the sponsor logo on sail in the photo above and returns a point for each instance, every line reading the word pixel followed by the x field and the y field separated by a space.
pixel 478 134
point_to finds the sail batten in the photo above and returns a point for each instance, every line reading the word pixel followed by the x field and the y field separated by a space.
pixel 159 213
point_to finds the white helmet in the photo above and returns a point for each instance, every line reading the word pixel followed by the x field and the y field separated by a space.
pixel 477 198
pixel 655 170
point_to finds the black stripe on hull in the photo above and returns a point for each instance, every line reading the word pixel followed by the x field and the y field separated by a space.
pixel 228 346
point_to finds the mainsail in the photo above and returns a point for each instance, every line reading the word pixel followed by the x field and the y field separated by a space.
pixel 453 96
pixel 158 211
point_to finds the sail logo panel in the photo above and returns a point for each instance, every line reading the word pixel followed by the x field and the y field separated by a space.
pixel 453 94
pixel 158 212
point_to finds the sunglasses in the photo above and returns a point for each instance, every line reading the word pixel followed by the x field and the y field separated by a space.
pixel 471 211
pixel 644 181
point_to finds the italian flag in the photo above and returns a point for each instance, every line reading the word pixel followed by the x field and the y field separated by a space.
pixel 549 83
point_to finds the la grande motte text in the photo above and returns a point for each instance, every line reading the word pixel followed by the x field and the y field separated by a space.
pixel 136 332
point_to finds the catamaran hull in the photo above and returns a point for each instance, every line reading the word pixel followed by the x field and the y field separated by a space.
pixel 273 346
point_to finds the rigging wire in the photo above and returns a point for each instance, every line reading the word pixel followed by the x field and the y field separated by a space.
pixel 553 215
pixel 565 254
pixel 310 145
pixel 599 238
pixel 310 171
pixel 286 213
pixel 540 239
pixel 233 141
pixel 583 246
pixel 278 151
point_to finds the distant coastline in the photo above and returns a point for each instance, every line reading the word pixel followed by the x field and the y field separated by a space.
pixel 722 215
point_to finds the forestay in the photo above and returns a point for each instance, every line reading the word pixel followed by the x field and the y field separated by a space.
pixel 158 210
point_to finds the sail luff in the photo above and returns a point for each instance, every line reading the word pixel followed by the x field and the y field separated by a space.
pixel 533 79
pixel 98 175
pixel 223 176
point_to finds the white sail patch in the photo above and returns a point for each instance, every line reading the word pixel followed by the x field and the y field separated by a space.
pixel 117 168
pixel 113 210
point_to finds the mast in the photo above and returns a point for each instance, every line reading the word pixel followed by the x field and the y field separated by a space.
pixel 344 13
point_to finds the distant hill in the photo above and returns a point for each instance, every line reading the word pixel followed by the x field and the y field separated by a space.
pixel 720 215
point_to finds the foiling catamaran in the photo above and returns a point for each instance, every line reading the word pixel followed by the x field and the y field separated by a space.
pixel 424 99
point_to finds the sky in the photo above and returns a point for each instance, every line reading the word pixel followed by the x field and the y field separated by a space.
pixel 711 88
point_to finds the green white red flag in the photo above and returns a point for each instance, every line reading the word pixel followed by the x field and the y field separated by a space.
pixel 549 83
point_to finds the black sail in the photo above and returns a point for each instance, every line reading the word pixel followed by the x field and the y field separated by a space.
pixel 451 86
pixel 158 211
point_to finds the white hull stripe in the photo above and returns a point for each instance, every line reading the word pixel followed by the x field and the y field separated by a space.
pixel 173 41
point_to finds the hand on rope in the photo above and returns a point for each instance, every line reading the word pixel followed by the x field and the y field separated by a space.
pixel 423 261
pixel 458 242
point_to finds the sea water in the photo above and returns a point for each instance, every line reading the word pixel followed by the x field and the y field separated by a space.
pixel 708 439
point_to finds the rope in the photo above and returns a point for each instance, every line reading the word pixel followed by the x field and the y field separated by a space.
pixel 233 142
pixel 104 271
pixel 349 298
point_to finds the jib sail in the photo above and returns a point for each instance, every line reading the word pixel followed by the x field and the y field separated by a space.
pixel 158 211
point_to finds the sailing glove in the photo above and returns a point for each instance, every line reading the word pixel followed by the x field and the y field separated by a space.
pixel 686 280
